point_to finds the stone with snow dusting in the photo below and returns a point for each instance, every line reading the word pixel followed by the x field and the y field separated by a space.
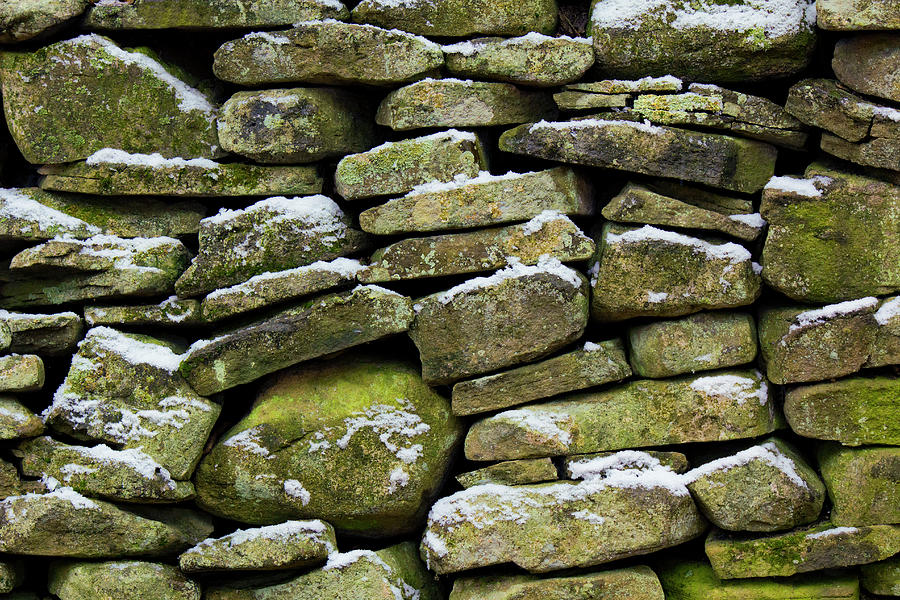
pixel 600 464
pixel 42 334
pixel 853 15
pixel 868 63
pixel 726 406
pixel 886 347
pixel 365 438
pixel 171 312
pixel 21 373
pixel 122 97
pixel 24 218
pixel 861 484
pixel 124 389
pixel 17 420
pixel 120 579
pixel 636 583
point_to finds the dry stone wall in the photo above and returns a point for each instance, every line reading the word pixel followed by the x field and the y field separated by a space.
pixel 450 299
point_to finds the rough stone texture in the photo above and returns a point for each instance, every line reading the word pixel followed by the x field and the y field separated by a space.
pixel 547 527
pixel 593 364
pixel 824 103
pixel 21 373
pixel 658 273
pixel 5 336
pixel 747 41
pixel 397 167
pixel 22 20
pixel 868 64
pixel 855 15
pixel 461 103
pixel 533 60
pixel 880 153
pixel 11 484
pixel 550 234
pixel 171 312
pixel 297 125
pixel 120 580
pixel 308 330
pixel 634 583
pixel 862 483
pixel 712 159
pixel 11 575
pixel 726 405
pixel 882 577
pixel 839 243
pixel 511 472
pixel 821 546
pixel 601 464
pixel 518 314
pixel 17 421
pixel 483 200
pixel 46 335
pixel 709 340
pixel 853 411
pixel 577 100
pixel 65 101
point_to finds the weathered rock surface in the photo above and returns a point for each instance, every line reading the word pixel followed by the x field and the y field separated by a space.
pixel 853 411
pixel 712 159
pixel 881 153
pixel 46 335
pixel 518 314
pixel 11 484
pixel 125 580
pixel 70 99
pixel 171 312
pixel 12 574
pixel 511 472
pixel 22 20
pixel 868 63
pixel 461 103
pixel 17 421
pixel 637 583
pixel 297 125
pixel 862 484
pixel 603 464
pixel 21 373
pixel 855 15
pixel 311 329
pixel 726 405
pixel 659 273
pixel 700 342
pixel 882 577
pixel 483 200
pixel 593 364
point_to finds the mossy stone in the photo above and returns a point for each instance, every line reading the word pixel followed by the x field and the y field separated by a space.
pixel 856 15
pixel 171 312
pixel 511 472
pixel 22 20
pixel 882 577
pixel 12 574
pixel 880 153
pixel 825 104
pixel 868 63
pixel 17 421
pixel 42 334
pixel 634 583
pixel 21 373
pixel 574 465
pixel 862 483
pixel 120 580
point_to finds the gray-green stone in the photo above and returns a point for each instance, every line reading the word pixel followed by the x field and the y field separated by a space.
pixel 17 421
pixel 862 483
pixel 123 580
pixel 633 583
pixel 21 373
pixel 571 100
pixel 882 577
pixel 825 104
pixel 46 335
pixel 600 464
pixel 855 15
pixel 22 20
pixel 11 483
pixel 869 63
pixel 171 312
pixel 881 153
pixel 511 472
pixel 666 83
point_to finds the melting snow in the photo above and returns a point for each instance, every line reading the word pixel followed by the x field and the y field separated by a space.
pixel 733 387
pixel 768 453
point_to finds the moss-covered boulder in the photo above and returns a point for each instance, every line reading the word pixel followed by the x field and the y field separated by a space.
pixel 314 328
pixel 734 42
pixel 511 472
pixel 65 101
pixel 358 441
pixel 17 421
pixel 297 125
pixel 635 583
pixel 288 545
pixel 853 411
pixel 23 20
pixel 462 103
pixel 882 577
pixel 832 236
pixel 120 580
pixel 708 158
pixel 124 389
pixel 856 15
pixel 271 235
pixel 821 546
pixel 171 312
pixel 43 334
pixel 592 364
pixel 868 63
pixel 21 373
pixel 862 483
pixel 727 405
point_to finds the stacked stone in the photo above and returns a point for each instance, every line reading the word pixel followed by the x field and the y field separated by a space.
pixel 638 365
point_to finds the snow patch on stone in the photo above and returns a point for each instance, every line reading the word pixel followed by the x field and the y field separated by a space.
pixel 832 311
pixel 768 453
pixel 733 387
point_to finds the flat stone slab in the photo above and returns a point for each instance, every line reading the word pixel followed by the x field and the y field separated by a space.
pixel 124 580
pixel 718 160
pixel 171 312
pixel 511 472
pixel 856 15
pixel 868 64
pixel 21 373
pixel 602 464
pixel 516 315
pixel 43 334
pixel 27 19
pixel 17 421
pixel 480 201
pixel 880 153
pixel 593 364
pixel 726 405
pixel 637 583
pixel 452 102
pixel 860 483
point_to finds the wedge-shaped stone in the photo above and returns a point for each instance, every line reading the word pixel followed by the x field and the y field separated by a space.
pixel 21 373
pixel 171 312
pixel 748 40
pixel 458 18
pixel 276 287
pixel 104 266
pixel 821 546
pixel 636 583
pixel 639 204
pixel 832 236
pixel 709 340
pixel 398 167
pixel 654 272
pixel 124 580
pixel 533 59
pixel 298 125
pixel 593 364
pixel 855 15
pixel 862 483
pixel 601 464
pixel 728 405
pixel 881 153
pixel 124 389
pixel 717 160
pixel 462 103
pixel 327 52
pixel 393 573
pixel 853 411
pixel 547 527
pixel 116 475
pixel 202 14
pixel 17 421
pixel 870 64
pixel 483 200
pixel 695 580
pixel 46 335
pixel 112 172
pixel 65 523
pixel 289 545
pixel 882 577
pixel 518 314
pixel 67 100
pixel 26 19
pixel 548 234
pixel 511 472
pixel 272 235
pixel 767 487
pixel 314 328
